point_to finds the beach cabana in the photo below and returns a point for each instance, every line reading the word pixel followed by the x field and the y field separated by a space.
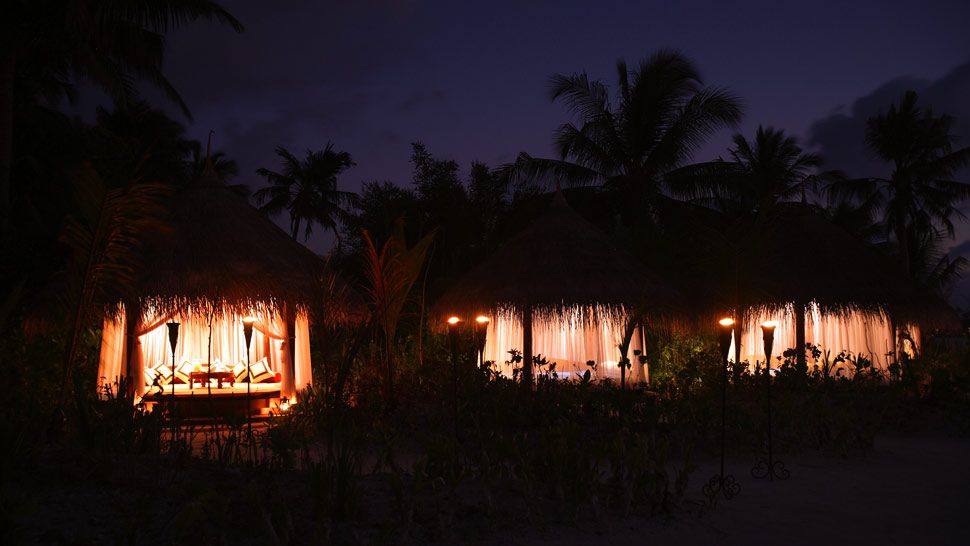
pixel 221 265
pixel 560 288
pixel 818 282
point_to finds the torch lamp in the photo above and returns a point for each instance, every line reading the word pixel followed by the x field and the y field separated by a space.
pixel 248 334
pixel 481 328
pixel 768 336
pixel 721 485
pixel 453 323
pixel 173 341
pixel 769 468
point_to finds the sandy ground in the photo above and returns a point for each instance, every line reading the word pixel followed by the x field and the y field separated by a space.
pixel 912 491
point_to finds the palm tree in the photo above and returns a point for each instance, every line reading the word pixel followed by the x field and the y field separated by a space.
pixel 769 170
pixel 47 46
pixel 919 198
pixel 661 114
pixel 307 190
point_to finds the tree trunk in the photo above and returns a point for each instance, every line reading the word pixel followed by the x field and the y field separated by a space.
pixel 7 75
pixel 629 329
pixel 800 334
pixel 527 377
pixel 903 241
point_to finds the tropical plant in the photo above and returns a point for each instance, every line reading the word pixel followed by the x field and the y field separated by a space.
pixel 48 46
pixel 389 274
pixel 104 250
pixel 661 114
pixel 307 190
pixel 920 196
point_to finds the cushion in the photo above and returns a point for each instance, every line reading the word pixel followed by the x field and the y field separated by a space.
pixel 239 370
pixel 261 372
pixel 183 370
pixel 162 374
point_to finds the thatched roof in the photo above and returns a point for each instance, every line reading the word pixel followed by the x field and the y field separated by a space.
pixel 795 254
pixel 223 253
pixel 557 261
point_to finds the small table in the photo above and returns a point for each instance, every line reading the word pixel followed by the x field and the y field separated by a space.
pixel 203 377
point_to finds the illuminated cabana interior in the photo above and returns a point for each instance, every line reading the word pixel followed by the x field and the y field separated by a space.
pixel 220 264
pixel 561 289
pixel 821 284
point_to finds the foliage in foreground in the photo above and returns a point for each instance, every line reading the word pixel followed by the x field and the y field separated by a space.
pixel 462 449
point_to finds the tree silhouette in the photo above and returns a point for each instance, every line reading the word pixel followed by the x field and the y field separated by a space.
pixel 47 46
pixel 919 199
pixel 660 115
pixel 769 170
pixel 307 190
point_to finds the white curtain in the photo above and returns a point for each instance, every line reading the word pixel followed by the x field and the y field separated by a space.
pixel 111 363
pixel 304 370
pixel 861 334
pixel 228 340
pixel 570 340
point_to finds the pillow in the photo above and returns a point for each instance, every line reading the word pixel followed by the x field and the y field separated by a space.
pixel 261 372
pixel 183 370
pixel 161 373
pixel 239 370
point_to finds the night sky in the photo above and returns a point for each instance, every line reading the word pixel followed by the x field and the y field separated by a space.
pixel 470 80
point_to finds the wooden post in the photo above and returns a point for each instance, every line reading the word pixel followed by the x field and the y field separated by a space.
pixel 288 371
pixel 800 334
pixel 527 377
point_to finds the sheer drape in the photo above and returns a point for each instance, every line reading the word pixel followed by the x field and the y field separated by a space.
pixel 228 341
pixel 862 334
pixel 569 339
pixel 304 371
pixel 111 362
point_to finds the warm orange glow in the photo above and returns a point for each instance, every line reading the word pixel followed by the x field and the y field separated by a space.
pixel 481 319
pixel 249 320
pixel 769 324
pixel 453 320
pixel 726 322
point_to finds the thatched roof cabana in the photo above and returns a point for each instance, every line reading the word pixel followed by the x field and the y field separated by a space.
pixel 558 260
pixel 558 264
pixel 794 262
pixel 220 252
pixel 793 254
pixel 237 291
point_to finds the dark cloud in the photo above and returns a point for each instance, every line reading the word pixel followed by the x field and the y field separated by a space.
pixel 840 137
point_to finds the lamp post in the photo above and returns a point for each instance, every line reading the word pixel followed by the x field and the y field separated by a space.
pixel 453 323
pixel 173 340
pixel 248 334
pixel 481 329
pixel 720 484
pixel 769 468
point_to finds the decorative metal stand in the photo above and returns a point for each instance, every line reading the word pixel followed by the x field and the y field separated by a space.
pixel 173 339
pixel 721 484
pixel 248 334
pixel 769 468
